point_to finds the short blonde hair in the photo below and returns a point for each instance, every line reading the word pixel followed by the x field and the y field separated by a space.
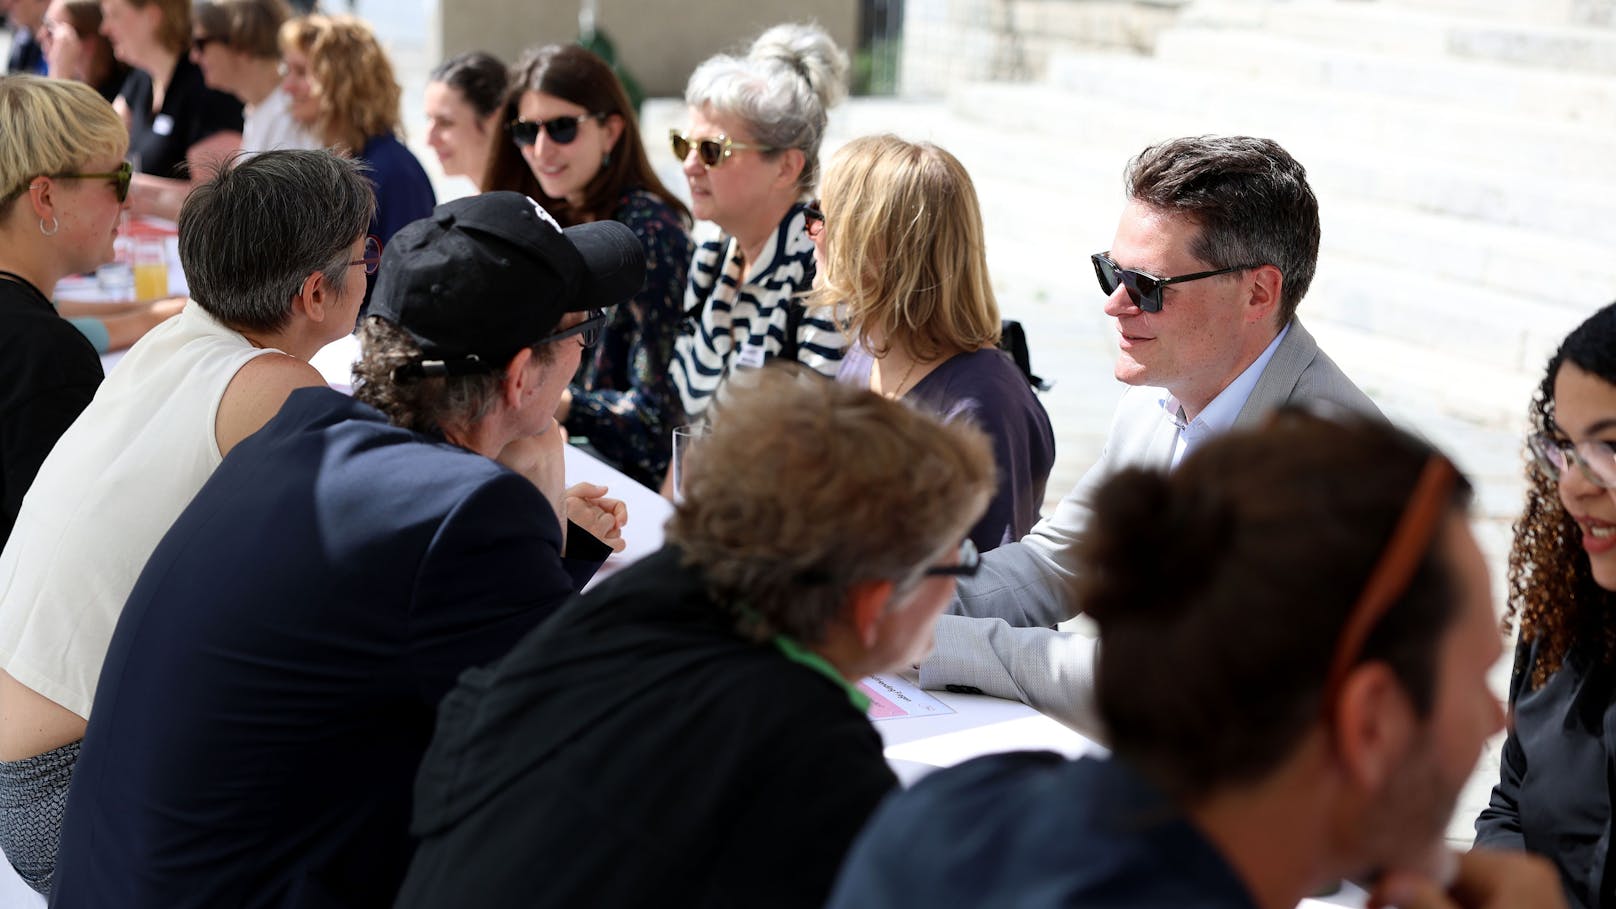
pixel 905 248
pixel 174 29
pixel 52 126
pixel 806 487
pixel 350 75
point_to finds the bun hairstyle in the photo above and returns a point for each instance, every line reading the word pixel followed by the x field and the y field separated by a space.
pixel 1221 590
pixel 478 76
pixel 781 90
pixel 1138 517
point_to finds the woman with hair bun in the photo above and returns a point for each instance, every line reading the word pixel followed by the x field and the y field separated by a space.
pixel 462 99
pixel 575 147
pixel 751 157
pixel 1553 795
pixel 898 239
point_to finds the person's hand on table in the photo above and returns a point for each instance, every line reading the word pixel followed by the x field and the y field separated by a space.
pixel 1486 879
pixel 542 458
pixel 588 507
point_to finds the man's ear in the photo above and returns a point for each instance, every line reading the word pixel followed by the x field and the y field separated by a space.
pixel 1267 290
pixel 518 384
pixel 866 602
pixel 1375 725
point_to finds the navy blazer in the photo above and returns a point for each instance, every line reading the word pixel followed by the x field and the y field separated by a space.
pixel 272 682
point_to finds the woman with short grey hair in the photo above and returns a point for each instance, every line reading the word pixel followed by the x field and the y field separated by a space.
pixel 751 156
pixel 276 256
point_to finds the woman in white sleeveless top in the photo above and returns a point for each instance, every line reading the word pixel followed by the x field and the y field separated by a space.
pixel 276 255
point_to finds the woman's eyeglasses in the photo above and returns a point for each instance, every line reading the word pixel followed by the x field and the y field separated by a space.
pixel 373 254
pixel 199 44
pixel 120 178
pixel 588 331
pixel 970 560
pixel 1145 290
pixel 1595 458
pixel 561 130
pixel 711 150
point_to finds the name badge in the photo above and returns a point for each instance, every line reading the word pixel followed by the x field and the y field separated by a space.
pixel 751 356
pixel 163 125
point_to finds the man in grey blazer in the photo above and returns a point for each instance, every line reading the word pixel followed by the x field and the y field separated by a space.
pixel 1215 250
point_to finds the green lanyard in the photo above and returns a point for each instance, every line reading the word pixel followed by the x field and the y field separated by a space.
pixel 797 653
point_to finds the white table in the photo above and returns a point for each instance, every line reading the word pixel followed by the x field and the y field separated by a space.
pixel 915 746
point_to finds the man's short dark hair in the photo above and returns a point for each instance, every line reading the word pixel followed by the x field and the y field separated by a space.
pixel 1222 587
pixel 252 235
pixel 1249 197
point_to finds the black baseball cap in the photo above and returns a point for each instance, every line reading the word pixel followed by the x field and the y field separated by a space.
pixel 488 275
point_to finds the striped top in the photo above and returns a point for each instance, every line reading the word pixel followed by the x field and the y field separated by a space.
pixel 733 324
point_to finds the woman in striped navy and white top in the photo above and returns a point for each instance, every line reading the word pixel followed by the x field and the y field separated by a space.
pixel 751 156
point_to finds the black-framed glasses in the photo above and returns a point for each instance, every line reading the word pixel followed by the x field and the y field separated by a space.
pixel 199 44
pixel 588 330
pixel 1594 457
pixel 970 560
pixel 120 178
pixel 710 150
pixel 373 254
pixel 561 130
pixel 1145 290
pixel 814 218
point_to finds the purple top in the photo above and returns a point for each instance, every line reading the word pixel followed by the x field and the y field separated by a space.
pixel 986 388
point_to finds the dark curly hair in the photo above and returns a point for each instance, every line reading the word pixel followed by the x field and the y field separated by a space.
pixel 1551 587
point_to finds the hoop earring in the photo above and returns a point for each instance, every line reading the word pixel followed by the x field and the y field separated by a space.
pixel 55 226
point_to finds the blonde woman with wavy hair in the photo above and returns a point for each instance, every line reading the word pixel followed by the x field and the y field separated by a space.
pixel 343 90
pixel 899 243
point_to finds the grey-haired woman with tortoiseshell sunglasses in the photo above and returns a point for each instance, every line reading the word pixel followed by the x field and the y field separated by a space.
pixel 751 155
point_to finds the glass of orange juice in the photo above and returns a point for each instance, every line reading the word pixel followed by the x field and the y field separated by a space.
pixel 151 270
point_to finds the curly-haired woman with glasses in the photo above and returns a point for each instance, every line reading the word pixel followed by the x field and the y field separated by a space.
pixel 343 91
pixel 1553 796
pixel 898 237
pixel 751 156
pixel 575 147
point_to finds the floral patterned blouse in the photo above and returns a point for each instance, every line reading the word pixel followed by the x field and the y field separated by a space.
pixel 623 398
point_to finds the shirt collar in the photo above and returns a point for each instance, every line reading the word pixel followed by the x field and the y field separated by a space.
pixel 1219 416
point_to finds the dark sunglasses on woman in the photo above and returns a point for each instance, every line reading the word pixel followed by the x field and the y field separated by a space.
pixel 120 178
pixel 561 130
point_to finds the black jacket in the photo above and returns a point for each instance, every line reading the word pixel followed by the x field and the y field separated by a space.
pixel 634 750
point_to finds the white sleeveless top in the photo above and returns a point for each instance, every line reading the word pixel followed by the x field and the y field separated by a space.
pixel 105 496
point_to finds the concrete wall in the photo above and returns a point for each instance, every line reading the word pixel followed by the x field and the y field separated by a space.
pixel 659 43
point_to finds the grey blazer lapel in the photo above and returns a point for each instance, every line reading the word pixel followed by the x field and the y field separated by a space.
pixel 1279 378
